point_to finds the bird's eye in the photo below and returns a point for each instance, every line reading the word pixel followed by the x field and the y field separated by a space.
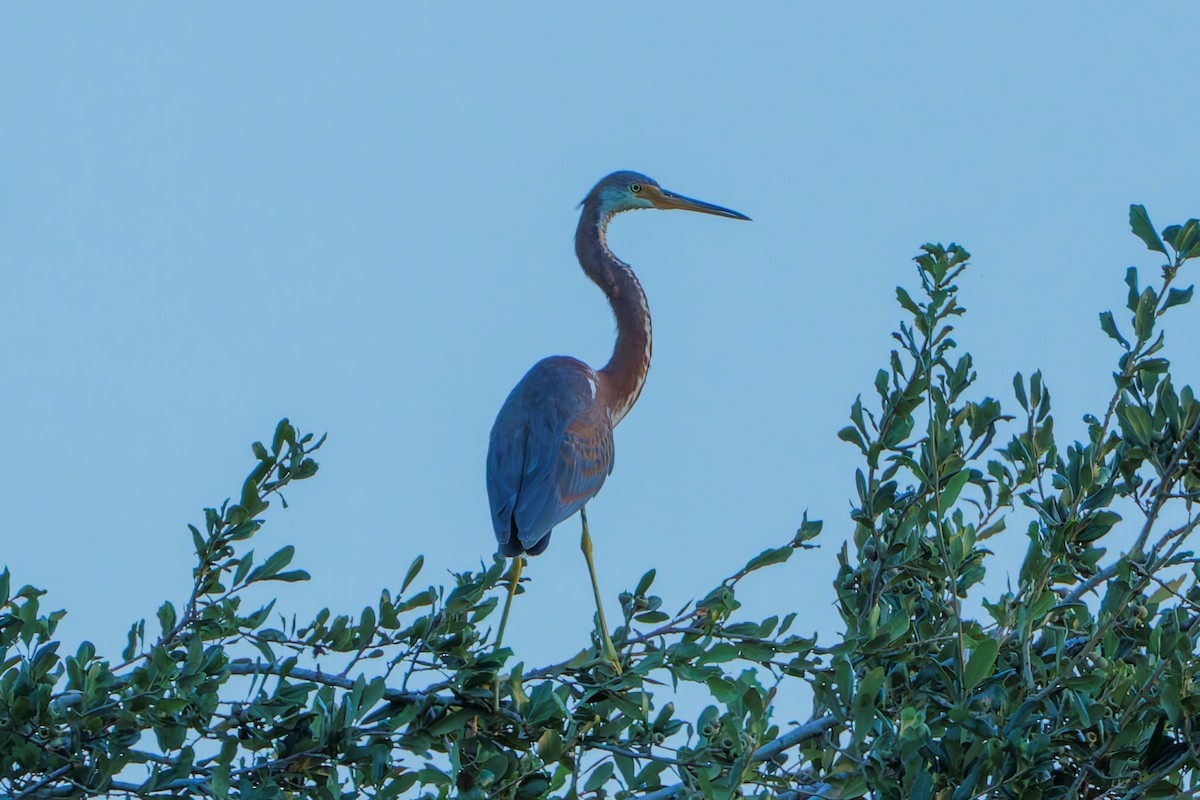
pixel 635 187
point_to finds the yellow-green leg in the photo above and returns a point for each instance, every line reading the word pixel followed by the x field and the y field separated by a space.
pixel 514 580
pixel 585 544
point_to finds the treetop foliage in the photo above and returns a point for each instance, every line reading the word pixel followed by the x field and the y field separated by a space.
pixel 1076 681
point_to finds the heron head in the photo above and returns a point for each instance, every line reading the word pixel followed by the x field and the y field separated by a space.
pixel 627 190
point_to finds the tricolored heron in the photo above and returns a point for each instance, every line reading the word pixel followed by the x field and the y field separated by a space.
pixel 552 443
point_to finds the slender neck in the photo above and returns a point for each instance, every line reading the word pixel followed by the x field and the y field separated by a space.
pixel 622 378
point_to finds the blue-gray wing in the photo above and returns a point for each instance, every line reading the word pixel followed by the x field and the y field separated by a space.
pixel 551 449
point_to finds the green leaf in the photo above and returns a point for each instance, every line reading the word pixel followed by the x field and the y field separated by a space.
pixel 1178 297
pixel 866 703
pixel 219 782
pixel 1163 789
pixel 1136 425
pixel 198 540
pixel 550 745
pixel 44 659
pixel 1143 318
pixel 166 617
pixel 307 469
pixel 906 302
pixel 131 646
pixel 1139 223
pixel 1188 242
pixel 718 654
pixel 809 529
pixel 980 664
pixel 643 585
pixel 413 570
pixel 454 721
pixel 600 776
pixel 291 576
pixel 1170 703
pixel 431 774
pixel 1019 389
pixel 419 599
pixel 1131 280
pixel 516 689
pixel 1035 389
pixel 1166 592
pixel 1093 527
pixel 722 689
pixel 545 706
pixel 922 788
pixel 245 563
pixel 845 786
pixel 170 736
pixel 881 382
pixel 273 565
pixel 284 434
pixel 250 499
pixel 1109 326
pixel 851 434
pixel 243 531
pixel 775 555
pixel 954 487
pixel 533 787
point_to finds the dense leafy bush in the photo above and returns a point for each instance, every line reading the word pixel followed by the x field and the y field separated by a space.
pixel 1078 682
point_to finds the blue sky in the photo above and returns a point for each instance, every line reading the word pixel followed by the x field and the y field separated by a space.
pixel 213 216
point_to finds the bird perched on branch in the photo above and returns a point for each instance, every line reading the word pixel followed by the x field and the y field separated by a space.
pixel 552 443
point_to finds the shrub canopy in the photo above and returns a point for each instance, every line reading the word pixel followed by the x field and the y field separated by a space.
pixel 1078 681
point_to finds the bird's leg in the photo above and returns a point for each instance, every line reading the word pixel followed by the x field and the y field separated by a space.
pixel 585 544
pixel 514 580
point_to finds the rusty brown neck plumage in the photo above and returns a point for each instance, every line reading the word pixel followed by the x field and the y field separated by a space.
pixel 622 378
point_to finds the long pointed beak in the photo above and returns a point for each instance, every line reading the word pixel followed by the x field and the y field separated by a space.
pixel 671 200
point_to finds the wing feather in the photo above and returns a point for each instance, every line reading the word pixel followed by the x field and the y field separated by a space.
pixel 551 450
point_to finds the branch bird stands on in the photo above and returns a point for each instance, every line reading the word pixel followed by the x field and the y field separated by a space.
pixel 552 443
